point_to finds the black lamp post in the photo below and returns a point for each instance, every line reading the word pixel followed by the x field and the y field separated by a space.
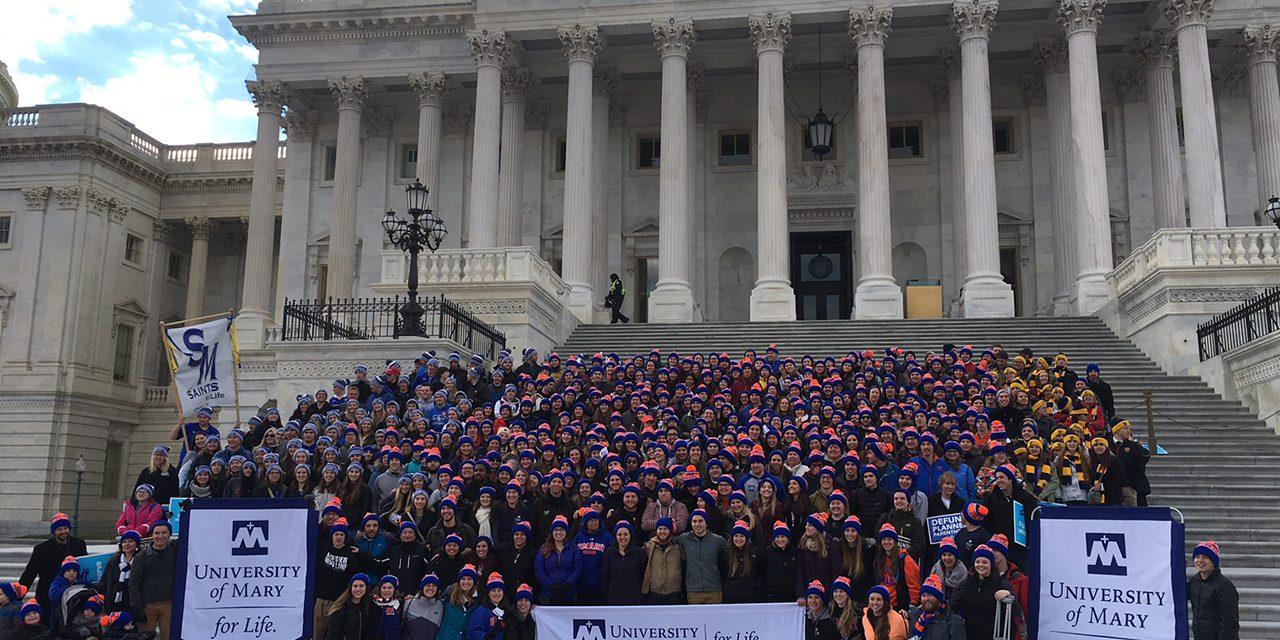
pixel 1273 211
pixel 75 514
pixel 419 228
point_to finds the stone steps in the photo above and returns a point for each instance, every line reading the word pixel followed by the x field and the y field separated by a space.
pixel 1220 471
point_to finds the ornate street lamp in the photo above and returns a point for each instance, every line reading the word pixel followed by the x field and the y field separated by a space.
pixel 1273 211
pixel 417 229
pixel 75 514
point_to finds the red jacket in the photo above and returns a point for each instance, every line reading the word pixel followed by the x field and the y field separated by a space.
pixel 139 518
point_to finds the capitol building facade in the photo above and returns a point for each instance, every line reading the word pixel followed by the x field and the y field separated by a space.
pixel 1001 157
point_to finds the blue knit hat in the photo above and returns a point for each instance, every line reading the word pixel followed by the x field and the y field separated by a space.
pixel 880 589
pixel 59 520
pixel 430 578
pixel 360 577
pixel 983 551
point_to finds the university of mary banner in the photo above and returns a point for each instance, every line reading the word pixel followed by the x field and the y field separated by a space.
pixel 245 570
pixel 1108 572
pixel 704 622
pixel 202 358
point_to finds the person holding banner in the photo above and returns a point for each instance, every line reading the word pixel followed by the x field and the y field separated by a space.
pixel 352 615
pixel 151 581
pixel 818 624
pixel 520 625
pixel 976 599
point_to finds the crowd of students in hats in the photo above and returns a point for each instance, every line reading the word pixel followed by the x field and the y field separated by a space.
pixel 455 497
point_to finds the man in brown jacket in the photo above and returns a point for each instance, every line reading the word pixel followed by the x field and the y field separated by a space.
pixel 664 573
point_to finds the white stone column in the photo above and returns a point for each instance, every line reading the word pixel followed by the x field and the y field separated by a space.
pixel 949 60
pixel 877 295
pixel 1199 118
pixel 517 86
pixel 772 298
pixel 580 44
pixel 300 128
pixel 255 305
pixel 986 294
pixel 201 229
pixel 490 50
pixel 672 299
pixel 351 93
pixel 431 89
pixel 1080 20
pixel 1261 43
pixel 1051 56
pixel 602 85
pixel 1156 52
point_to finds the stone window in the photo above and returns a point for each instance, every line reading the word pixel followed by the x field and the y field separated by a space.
pixel 408 161
pixel 123 361
pixel 1002 136
pixel 330 162
pixel 806 146
pixel 648 152
pixel 735 148
pixel 6 231
pixel 176 267
pixel 905 139
pixel 562 154
pixel 133 250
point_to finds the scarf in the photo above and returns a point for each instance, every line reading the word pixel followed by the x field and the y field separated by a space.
pixel 1076 461
pixel 926 618
pixel 198 491
pixel 1037 472
pixel 122 583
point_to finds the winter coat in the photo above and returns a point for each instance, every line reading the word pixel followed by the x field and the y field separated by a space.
pixel 454 622
pixel 623 575
pixel 778 574
pixel 378 547
pixel 928 474
pixel 703 559
pixel 820 627
pixel 664 568
pixel 517 564
pixel 46 559
pixel 870 504
pixel 946 626
pixel 975 600
pixel 1000 515
pixel 967 541
pixel 1134 457
pixel 422 618
pixel 138 517
pixel 1215 606
pixel 519 628
pixel 110 583
pixel 810 566
pixel 407 561
pixel 354 621
pixel 678 513
pixel 151 577
pixel 483 624
pixel 910 531
pixel 334 568
pixel 591 548
pixel 897 625
pixel 744 587
pixel 164 480
pixel 559 571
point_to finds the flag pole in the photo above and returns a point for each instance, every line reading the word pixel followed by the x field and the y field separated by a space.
pixel 179 323
pixel 235 356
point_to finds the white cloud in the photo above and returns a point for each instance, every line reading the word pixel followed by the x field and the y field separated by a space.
pixel 173 99
pixel 36 88
pixel 230 5
pixel 207 39
pixel 27 25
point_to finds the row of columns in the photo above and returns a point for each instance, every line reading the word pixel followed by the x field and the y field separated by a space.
pixel 1078 178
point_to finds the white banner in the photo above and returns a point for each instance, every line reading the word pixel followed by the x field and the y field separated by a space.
pixel 202 358
pixel 1108 572
pixel 244 570
pixel 772 621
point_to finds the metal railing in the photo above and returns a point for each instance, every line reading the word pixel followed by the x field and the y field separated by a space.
pixel 1241 325
pixel 374 318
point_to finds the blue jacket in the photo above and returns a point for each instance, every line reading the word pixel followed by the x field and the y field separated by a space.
pixel 377 547
pixel 483 625
pixel 928 474
pixel 559 569
pixel 591 548
pixel 454 622
pixel 966 484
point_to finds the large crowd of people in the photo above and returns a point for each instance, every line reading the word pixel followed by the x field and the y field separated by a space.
pixel 455 496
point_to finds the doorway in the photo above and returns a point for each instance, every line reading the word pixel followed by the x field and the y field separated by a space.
pixel 822 274
pixel 646 280
pixel 1010 267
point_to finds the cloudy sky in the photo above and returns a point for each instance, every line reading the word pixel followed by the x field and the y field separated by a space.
pixel 174 68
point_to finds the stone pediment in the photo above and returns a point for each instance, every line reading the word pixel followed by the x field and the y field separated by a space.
pixel 645 227
pixel 131 309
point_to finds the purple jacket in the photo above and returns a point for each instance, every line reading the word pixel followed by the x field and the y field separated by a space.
pixel 559 569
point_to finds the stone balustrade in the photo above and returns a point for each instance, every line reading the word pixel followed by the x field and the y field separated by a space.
pixel 1181 248
pixel 469 266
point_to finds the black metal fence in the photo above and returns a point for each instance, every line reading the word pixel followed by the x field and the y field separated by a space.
pixel 373 318
pixel 1241 325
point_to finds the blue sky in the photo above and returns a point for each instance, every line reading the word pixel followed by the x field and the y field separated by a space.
pixel 174 68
